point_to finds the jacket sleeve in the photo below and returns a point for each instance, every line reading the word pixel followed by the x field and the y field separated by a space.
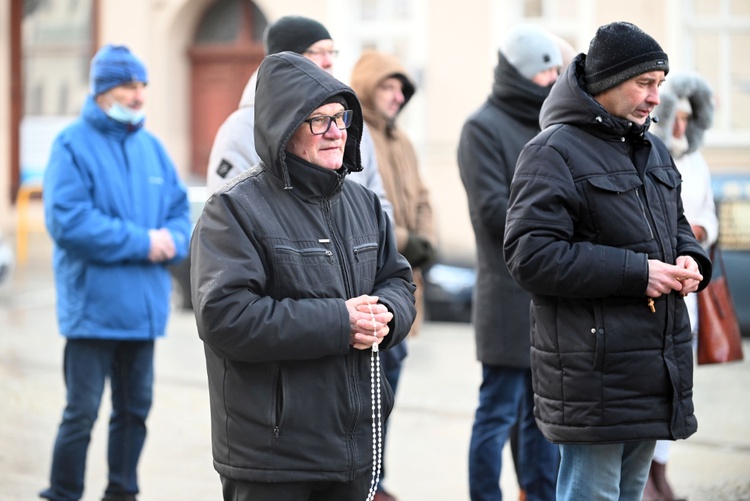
pixel 75 223
pixel 177 219
pixel 706 212
pixel 687 244
pixel 540 248
pixel 485 175
pixel 233 151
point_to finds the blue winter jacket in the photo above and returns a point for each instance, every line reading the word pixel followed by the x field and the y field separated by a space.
pixel 106 185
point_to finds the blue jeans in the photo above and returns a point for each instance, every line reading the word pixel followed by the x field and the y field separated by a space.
pixel 604 472
pixel 505 397
pixel 87 365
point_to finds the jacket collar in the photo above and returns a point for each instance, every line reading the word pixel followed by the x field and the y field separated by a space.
pixel 94 115
pixel 312 182
pixel 515 94
pixel 569 103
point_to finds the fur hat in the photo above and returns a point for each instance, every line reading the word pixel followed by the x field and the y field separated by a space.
pixel 531 50
pixel 293 33
pixel 694 88
pixel 618 52
pixel 115 65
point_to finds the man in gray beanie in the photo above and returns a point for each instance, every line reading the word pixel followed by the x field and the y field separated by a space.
pixel 529 62
pixel 233 151
pixel 596 233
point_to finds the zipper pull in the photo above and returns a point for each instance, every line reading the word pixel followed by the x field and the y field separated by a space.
pixel 650 304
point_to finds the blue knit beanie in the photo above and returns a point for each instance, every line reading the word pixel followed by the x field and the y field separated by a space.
pixel 115 65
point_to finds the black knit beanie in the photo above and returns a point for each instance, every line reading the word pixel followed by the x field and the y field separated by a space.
pixel 620 51
pixel 293 33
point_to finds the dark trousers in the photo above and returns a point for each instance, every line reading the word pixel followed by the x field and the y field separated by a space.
pixel 88 364
pixel 238 490
pixel 503 391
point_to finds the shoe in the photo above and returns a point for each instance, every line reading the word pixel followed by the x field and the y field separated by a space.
pixel 658 474
pixel 119 497
pixel 383 496
pixel 650 492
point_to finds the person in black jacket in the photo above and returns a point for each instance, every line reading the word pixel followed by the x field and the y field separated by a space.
pixel 596 233
pixel 296 284
pixel 491 140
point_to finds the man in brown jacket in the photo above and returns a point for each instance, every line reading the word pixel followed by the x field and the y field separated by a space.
pixel 384 88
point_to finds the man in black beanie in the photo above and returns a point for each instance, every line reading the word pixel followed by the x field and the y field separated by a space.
pixel 596 233
pixel 233 151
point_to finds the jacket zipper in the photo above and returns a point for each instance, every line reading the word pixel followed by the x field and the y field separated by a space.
pixel 356 399
pixel 643 213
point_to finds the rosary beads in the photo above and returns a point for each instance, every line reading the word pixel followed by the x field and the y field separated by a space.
pixel 377 428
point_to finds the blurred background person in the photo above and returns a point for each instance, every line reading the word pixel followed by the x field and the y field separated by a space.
pixel 384 88
pixel 118 215
pixel 233 150
pixel 685 113
pixel 529 62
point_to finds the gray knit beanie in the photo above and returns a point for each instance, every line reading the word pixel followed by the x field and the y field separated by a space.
pixel 618 52
pixel 531 50
pixel 293 33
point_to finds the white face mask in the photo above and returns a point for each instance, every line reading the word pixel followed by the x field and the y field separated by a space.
pixel 124 114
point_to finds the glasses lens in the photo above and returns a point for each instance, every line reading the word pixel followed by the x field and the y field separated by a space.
pixel 319 125
pixel 344 119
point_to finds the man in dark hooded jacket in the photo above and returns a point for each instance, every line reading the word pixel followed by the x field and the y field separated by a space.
pixel 596 232
pixel 491 140
pixel 295 278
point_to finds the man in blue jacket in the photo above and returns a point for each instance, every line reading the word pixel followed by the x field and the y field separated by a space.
pixel 118 214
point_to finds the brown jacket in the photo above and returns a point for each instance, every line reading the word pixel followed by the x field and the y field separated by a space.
pixel 397 159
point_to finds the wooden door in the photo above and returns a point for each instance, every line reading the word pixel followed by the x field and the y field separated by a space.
pixel 226 51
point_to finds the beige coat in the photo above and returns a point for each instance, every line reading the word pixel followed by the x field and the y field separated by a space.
pixel 397 159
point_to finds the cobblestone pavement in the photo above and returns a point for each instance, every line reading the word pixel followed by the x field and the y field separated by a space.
pixel 428 435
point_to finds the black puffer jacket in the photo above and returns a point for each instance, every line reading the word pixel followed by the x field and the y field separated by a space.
pixel 271 269
pixel 491 140
pixel 593 198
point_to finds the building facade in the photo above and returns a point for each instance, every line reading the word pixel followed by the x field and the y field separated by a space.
pixel 200 53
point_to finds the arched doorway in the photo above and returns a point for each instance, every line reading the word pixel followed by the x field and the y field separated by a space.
pixel 227 49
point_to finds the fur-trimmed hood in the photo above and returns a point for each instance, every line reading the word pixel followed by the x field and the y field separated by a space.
pixel 695 88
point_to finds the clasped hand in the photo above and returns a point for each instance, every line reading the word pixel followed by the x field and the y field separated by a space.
pixel 663 278
pixel 162 246
pixel 368 321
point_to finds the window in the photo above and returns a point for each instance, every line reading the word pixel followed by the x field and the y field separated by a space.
pixel 717 36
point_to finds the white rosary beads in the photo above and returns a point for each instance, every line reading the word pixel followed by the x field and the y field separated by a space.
pixel 377 428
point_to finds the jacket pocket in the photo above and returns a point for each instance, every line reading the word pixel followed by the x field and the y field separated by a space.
pixel 615 210
pixel 667 182
pixel 365 266
pixel 303 270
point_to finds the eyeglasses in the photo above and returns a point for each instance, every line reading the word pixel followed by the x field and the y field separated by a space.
pixel 321 53
pixel 320 125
